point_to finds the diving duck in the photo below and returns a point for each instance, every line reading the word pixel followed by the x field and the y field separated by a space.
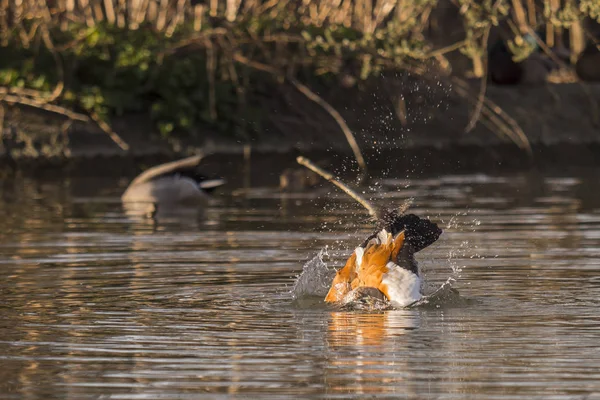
pixel 384 266
pixel 171 183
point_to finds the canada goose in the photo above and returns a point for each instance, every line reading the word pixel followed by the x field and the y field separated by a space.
pixel 171 183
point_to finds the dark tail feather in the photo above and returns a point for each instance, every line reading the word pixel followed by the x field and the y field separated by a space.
pixel 419 232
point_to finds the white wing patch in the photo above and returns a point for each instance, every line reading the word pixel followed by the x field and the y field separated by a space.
pixel 360 252
pixel 403 286
pixel 383 237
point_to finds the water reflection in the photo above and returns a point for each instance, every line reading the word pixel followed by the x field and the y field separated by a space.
pixel 348 329
pixel 153 215
pixel 96 302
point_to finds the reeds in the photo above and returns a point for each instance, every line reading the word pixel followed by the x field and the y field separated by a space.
pixel 284 37
pixel 166 15
pixel 400 18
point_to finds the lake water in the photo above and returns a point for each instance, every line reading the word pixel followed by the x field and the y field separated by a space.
pixel 96 304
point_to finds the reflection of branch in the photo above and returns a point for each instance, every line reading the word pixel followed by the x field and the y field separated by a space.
pixel 329 177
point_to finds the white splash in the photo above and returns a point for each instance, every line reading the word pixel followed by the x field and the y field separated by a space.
pixel 315 278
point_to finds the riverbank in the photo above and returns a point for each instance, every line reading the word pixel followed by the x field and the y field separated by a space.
pixel 424 130
pixel 90 87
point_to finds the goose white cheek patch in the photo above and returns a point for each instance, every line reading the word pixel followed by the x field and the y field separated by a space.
pixel 211 183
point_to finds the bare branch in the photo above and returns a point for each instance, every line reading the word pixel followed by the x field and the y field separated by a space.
pixel 329 177
pixel 108 130
pixel 12 99
pixel 340 121
pixel 481 97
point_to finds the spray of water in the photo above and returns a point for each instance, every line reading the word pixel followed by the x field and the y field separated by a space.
pixel 315 277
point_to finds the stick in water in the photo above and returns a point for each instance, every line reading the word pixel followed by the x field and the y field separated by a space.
pixel 329 177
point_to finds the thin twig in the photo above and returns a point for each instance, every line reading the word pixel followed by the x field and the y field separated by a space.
pixel 492 110
pixel 481 97
pixel 340 121
pixel 35 94
pixel 254 64
pixel 108 130
pixel 320 101
pixel 211 65
pixel 1 121
pixel 46 107
pixel 329 177
pixel 60 86
pixel 516 128
pixel 444 50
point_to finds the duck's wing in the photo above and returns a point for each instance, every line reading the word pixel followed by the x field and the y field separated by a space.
pixel 397 239
pixel 342 281
pixel 167 168
pixel 372 262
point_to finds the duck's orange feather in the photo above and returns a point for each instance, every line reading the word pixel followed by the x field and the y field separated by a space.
pixel 342 282
pixel 397 246
pixel 370 272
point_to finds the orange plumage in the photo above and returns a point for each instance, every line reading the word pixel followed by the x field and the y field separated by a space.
pixel 374 262
pixel 370 271
pixel 385 261
pixel 341 284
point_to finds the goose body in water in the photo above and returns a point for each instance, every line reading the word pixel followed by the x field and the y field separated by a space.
pixel 384 267
pixel 175 182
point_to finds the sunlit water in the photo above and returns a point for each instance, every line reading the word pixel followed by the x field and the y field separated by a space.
pixel 98 305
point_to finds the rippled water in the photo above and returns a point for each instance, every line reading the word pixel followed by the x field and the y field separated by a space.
pixel 95 304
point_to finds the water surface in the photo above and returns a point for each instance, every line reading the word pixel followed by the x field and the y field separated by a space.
pixel 96 304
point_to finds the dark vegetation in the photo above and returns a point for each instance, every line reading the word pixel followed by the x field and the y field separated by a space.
pixel 190 66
